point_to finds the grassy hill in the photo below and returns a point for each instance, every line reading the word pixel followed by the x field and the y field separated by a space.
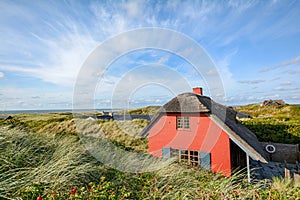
pixel 273 123
pixel 42 155
pixel 149 110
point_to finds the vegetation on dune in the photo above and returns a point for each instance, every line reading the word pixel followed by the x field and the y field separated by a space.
pixel 149 110
pixel 256 110
pixel 125 134
pixel 43 155
pixel 274 123
pixel 49 122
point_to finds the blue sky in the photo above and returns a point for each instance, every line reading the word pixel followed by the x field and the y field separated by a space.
pixel 254 45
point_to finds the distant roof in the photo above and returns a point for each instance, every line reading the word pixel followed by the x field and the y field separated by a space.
pixel 222 115
pixel 273 102
pixel 241 115
pixel 5 117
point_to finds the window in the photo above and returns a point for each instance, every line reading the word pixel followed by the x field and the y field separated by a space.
pixel 186 122
pixel 183 122
pixel 184 155
pixel 194 158
pixel 174 152
pixel 191 157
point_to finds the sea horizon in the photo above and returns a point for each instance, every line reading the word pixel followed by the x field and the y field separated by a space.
pixel 41 111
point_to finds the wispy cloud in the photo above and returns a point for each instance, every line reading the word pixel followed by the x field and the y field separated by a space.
pixel 294 61
pixel 49 41
pixel 287 83
pixel 286 89
pixel 33 98
pixel 291 72
pixel 275 79
pixel 211 72
pixel 163 60
pixel 251 81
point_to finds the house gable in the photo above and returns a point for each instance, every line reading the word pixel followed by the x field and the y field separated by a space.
pixel 204 136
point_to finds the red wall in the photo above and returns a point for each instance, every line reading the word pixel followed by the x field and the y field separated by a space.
pixel 203 135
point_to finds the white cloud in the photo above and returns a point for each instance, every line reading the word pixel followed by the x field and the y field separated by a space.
pixel 286 89
pixel 223 70
pixel 66 53
pixel 31 98
pixel 294 61
pixel 163 59
pixel 251 81
pixel 51 41
pixel 146 78
pixel 212 72
pixel 287 83
pixel 134 8
pixel 64 59
pixel 291 72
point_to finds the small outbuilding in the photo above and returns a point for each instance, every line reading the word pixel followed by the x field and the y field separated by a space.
pixel 195 129
pixel 241 115
pixel 6 117
pixel 273 102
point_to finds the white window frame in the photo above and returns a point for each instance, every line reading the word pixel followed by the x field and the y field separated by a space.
pixel 183 122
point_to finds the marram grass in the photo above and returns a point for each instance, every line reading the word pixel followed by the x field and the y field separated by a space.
pixel 51 163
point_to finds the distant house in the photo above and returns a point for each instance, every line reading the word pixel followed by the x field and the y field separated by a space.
pixel 195 129
pixel 105 117
pixel 273 102
pixel 241 115
pixel 105 113
pixel 6 117
pixel 120 117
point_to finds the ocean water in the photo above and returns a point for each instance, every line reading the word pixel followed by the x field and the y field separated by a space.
pixel 54 111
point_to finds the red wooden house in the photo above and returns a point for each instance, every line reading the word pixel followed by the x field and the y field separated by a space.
pixel 194 128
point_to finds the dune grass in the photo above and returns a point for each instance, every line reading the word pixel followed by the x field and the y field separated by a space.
pixel 274 123
pixel 52 161
pixel 149 110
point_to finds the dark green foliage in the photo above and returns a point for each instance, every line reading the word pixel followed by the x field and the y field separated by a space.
pixel 274 123
pixel 269 130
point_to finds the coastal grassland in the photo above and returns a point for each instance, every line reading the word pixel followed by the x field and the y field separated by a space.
pixel 148 110
pixel 41 122
pixel 121 133
pixel 51 162
pixel 126 133
pixel 274 123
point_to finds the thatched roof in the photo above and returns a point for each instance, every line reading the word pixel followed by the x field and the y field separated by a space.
pixel 241 115
pixel 187 102
pixel 6 117
pixel 273 102
pixel 222 115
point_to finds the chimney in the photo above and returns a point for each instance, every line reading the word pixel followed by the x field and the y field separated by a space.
pixel 197 90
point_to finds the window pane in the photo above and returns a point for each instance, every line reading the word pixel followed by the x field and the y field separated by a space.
pixel 184 155
pixel 174 152
pixel 179 122
pixel 194 158
pixel 186 122
pixel 183 122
